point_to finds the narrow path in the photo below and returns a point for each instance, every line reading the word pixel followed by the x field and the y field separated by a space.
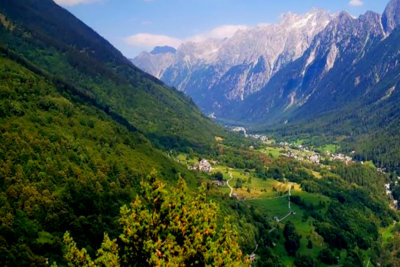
pixel 287 215
pixel 230 194
pixel 288 195
pixel 254 252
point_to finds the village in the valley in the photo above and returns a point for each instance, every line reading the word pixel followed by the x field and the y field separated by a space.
pixel 294 150
pixel 298 151
pixel 276 196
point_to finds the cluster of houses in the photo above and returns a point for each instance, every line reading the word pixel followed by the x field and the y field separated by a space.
pixel 286 144
pixel 219 183
pixel 312 156
pixel 340 157
pixel 203 166
pixel 262 138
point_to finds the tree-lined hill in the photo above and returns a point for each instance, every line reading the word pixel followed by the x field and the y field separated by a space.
pixel 57 42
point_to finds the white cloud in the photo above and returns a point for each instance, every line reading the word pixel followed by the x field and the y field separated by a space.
pixel 220 32
pixel 356 3
pixel 146 40
pixel 74 2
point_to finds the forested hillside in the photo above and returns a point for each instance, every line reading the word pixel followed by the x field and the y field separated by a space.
pixel 81 127
pixel 60 44
pixel 65 165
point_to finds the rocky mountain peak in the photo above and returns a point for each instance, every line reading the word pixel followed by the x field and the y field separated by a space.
pixel 343 18
pixel 219 71
pixel 391 16
pixel 315 15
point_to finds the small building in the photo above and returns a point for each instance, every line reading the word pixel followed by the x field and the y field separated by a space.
pixel 218 183
pixel 240 130
pixel 205 166
pixel 315 159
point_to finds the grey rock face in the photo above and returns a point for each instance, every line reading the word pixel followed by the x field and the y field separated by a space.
pixel 391 16
pixel 215 72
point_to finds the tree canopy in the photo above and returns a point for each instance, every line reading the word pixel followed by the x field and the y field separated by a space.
pixel 165 228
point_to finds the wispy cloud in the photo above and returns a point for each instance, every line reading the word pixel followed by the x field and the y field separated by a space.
pixel 356 3
pixel 147 40
pixel 221 32
pixel 74 2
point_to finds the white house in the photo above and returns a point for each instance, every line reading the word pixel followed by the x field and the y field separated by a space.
pixel 205 166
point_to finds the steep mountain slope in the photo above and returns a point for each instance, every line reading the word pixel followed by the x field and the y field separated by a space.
pixel 53 39
pixel 316 82
pixel 355 101
pixel 217 72
pixel 370 119
pixel 65 164
pixel 391 17
pixel 80 128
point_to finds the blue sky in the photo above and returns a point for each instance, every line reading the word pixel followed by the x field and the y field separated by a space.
pixel 136 25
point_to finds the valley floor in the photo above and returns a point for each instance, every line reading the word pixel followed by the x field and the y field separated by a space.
pixel 281 200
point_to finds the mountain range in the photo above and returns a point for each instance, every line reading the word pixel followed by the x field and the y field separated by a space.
pixel 319 75
pixel 268 73
pixel 217 72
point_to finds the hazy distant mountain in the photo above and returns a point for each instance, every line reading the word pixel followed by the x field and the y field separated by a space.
pixel 215 72
pixel 279 72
